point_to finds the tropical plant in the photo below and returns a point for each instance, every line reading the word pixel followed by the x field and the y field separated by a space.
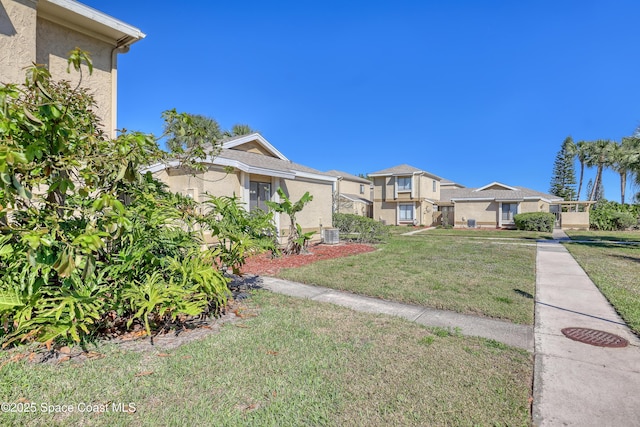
pixel 238 233
pixel 599 155
pixel 297 240
pixel 85 235
pixel 239 129
pixel 623 158
pixel 191 138
pixel 608 216
pixel 581 153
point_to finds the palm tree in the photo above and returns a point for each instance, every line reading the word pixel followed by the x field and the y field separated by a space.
pixel 581 152
pixel 599 155
pixel 239 129
pixel 623 157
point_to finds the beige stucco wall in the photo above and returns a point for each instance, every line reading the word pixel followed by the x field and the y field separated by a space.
pixel 531 206
pixel 574 220
pixel 17 38
pixel 28 35
pixel 216 182
pixel 426 187
pixel 53 44
pixel 213 181
pixel 352 187
pixel 484 212
pixel 316 214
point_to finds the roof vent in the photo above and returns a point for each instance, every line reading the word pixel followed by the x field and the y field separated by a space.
pixel 331 236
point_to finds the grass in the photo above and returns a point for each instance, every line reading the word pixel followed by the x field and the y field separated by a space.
pixel 616 236
pixel 474 232
pixel 297 363
pixel 482 277
pixel 614 269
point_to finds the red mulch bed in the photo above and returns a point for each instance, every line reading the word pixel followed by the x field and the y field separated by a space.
pixel 264 265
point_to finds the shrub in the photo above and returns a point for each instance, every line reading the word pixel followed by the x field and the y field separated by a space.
pixel 609 216
pixel 86 238
pixel 359 228
pixel 535 221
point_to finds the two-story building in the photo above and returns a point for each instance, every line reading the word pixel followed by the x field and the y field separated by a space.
pixel 45 31
pixel 352 194
pixel 404 195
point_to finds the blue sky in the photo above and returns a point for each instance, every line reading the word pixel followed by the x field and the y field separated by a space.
pixel 473 91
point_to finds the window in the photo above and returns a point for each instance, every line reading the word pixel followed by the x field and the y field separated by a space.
pixel 404 183
pixel 361 188
pixel 406 212
pixel 508 211
pixel 259 192
pixel 434 185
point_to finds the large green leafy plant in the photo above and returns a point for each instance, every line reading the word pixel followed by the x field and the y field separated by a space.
pixel 297 240
pixel 86 237
pixel 239 233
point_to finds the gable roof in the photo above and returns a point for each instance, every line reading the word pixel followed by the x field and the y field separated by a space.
pixel 496 184
pixel 254 137
pixel 266 165
pixel 507 194
pixel 403 169
pixel 348 176
pixel 255 163
pixel 356 198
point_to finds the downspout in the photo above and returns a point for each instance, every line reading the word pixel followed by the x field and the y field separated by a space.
pixel 122 46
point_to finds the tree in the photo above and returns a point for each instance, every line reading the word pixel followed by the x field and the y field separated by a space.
pixel 297 239
pixel 191 138
pixel 239 129
pixel 85 236
pixel 563 180
pixel 581 153
pixel 623 158
pixel 599 155
pixel 599 195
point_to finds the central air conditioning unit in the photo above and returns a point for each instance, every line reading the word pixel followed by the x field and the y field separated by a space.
pixel 471 223
pixel 331 236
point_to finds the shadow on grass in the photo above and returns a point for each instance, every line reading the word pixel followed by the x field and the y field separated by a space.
pixel 523 293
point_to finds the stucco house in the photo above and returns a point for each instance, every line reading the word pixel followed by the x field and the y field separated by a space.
pixel 404 195
pixel 252 169
pixel 492 205
pixel 352 194
pixel 45 31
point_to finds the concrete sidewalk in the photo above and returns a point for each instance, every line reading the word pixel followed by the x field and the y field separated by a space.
pixel 509 333
pixel 576 383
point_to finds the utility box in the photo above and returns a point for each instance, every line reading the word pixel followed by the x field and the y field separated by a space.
pixel 331 236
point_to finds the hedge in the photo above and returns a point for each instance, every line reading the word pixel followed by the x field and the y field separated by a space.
pixel 359 228
pixel 535 221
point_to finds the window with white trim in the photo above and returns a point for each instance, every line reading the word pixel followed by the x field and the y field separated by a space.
pixel 508 211
pixel 361 188
pixel 434 186
pixel 404 183
pixel 405 212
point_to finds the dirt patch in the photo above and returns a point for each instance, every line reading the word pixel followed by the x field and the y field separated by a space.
pixel 265 265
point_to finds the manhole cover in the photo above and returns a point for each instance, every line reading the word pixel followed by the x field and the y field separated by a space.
pixel 595 337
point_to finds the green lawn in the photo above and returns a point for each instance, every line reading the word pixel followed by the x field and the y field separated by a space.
pixel 616 236
pixel 298 362
pixel 492 278
pixel 474 232
pixel 614 269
